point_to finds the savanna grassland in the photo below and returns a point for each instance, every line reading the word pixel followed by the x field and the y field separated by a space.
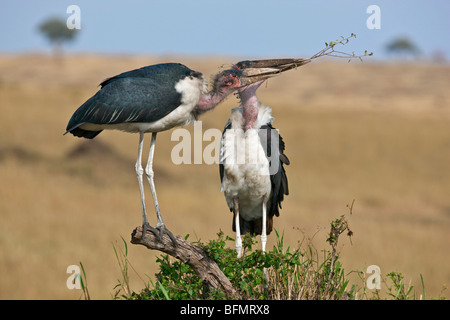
pixel 375 132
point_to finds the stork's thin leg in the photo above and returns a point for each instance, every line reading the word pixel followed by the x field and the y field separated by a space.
pixel 150 174
pixel 238 228
pixel 264 225
pixel 139 172
pixel 264 237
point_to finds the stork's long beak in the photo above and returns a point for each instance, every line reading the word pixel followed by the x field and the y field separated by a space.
pixel 259 70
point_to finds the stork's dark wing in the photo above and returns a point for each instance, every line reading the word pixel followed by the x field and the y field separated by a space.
pixel 277 160
pixel 164 73
pixel 221 168
pixel 142 95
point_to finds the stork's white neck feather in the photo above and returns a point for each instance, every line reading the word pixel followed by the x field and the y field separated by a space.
pixel 264 117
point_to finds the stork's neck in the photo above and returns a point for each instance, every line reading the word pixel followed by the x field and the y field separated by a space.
pixel 209 100
pixel 250 104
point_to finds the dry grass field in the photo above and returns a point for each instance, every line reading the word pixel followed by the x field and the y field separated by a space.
pixel 378 133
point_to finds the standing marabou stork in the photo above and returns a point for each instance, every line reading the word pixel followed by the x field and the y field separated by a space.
pixel 151 99
pixel 252 155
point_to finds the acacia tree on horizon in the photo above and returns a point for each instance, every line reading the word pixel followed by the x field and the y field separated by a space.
pixel 57 33
pixel 402 47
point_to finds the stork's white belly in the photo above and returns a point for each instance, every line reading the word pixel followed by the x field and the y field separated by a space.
pixel 246 172
pixel 181 116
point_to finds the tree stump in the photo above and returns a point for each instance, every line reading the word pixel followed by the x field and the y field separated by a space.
pixel 191 254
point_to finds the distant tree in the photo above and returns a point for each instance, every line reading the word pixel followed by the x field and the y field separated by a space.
pixel 57 32
pixel 402 46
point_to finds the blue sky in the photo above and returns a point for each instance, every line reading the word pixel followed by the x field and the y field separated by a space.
pixel 243 28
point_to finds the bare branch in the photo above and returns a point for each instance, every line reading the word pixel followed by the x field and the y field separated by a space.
pixel 191 254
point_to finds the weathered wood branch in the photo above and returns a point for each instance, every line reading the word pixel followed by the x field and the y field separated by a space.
pixel 191 254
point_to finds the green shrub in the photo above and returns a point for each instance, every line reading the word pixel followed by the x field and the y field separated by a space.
pixel 291 274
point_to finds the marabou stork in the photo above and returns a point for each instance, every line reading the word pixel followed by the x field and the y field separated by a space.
pixel 151 99
pixel 252 156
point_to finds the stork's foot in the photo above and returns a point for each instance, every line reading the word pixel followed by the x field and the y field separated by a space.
pixel 158 231
pixel 162 229
pixel 146 226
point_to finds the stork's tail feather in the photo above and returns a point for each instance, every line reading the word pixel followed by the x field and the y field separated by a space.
pixel 77 132
pixel 254 227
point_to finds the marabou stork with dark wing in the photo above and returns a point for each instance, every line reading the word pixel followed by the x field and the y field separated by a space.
pixel 252 155
pixel 151 99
